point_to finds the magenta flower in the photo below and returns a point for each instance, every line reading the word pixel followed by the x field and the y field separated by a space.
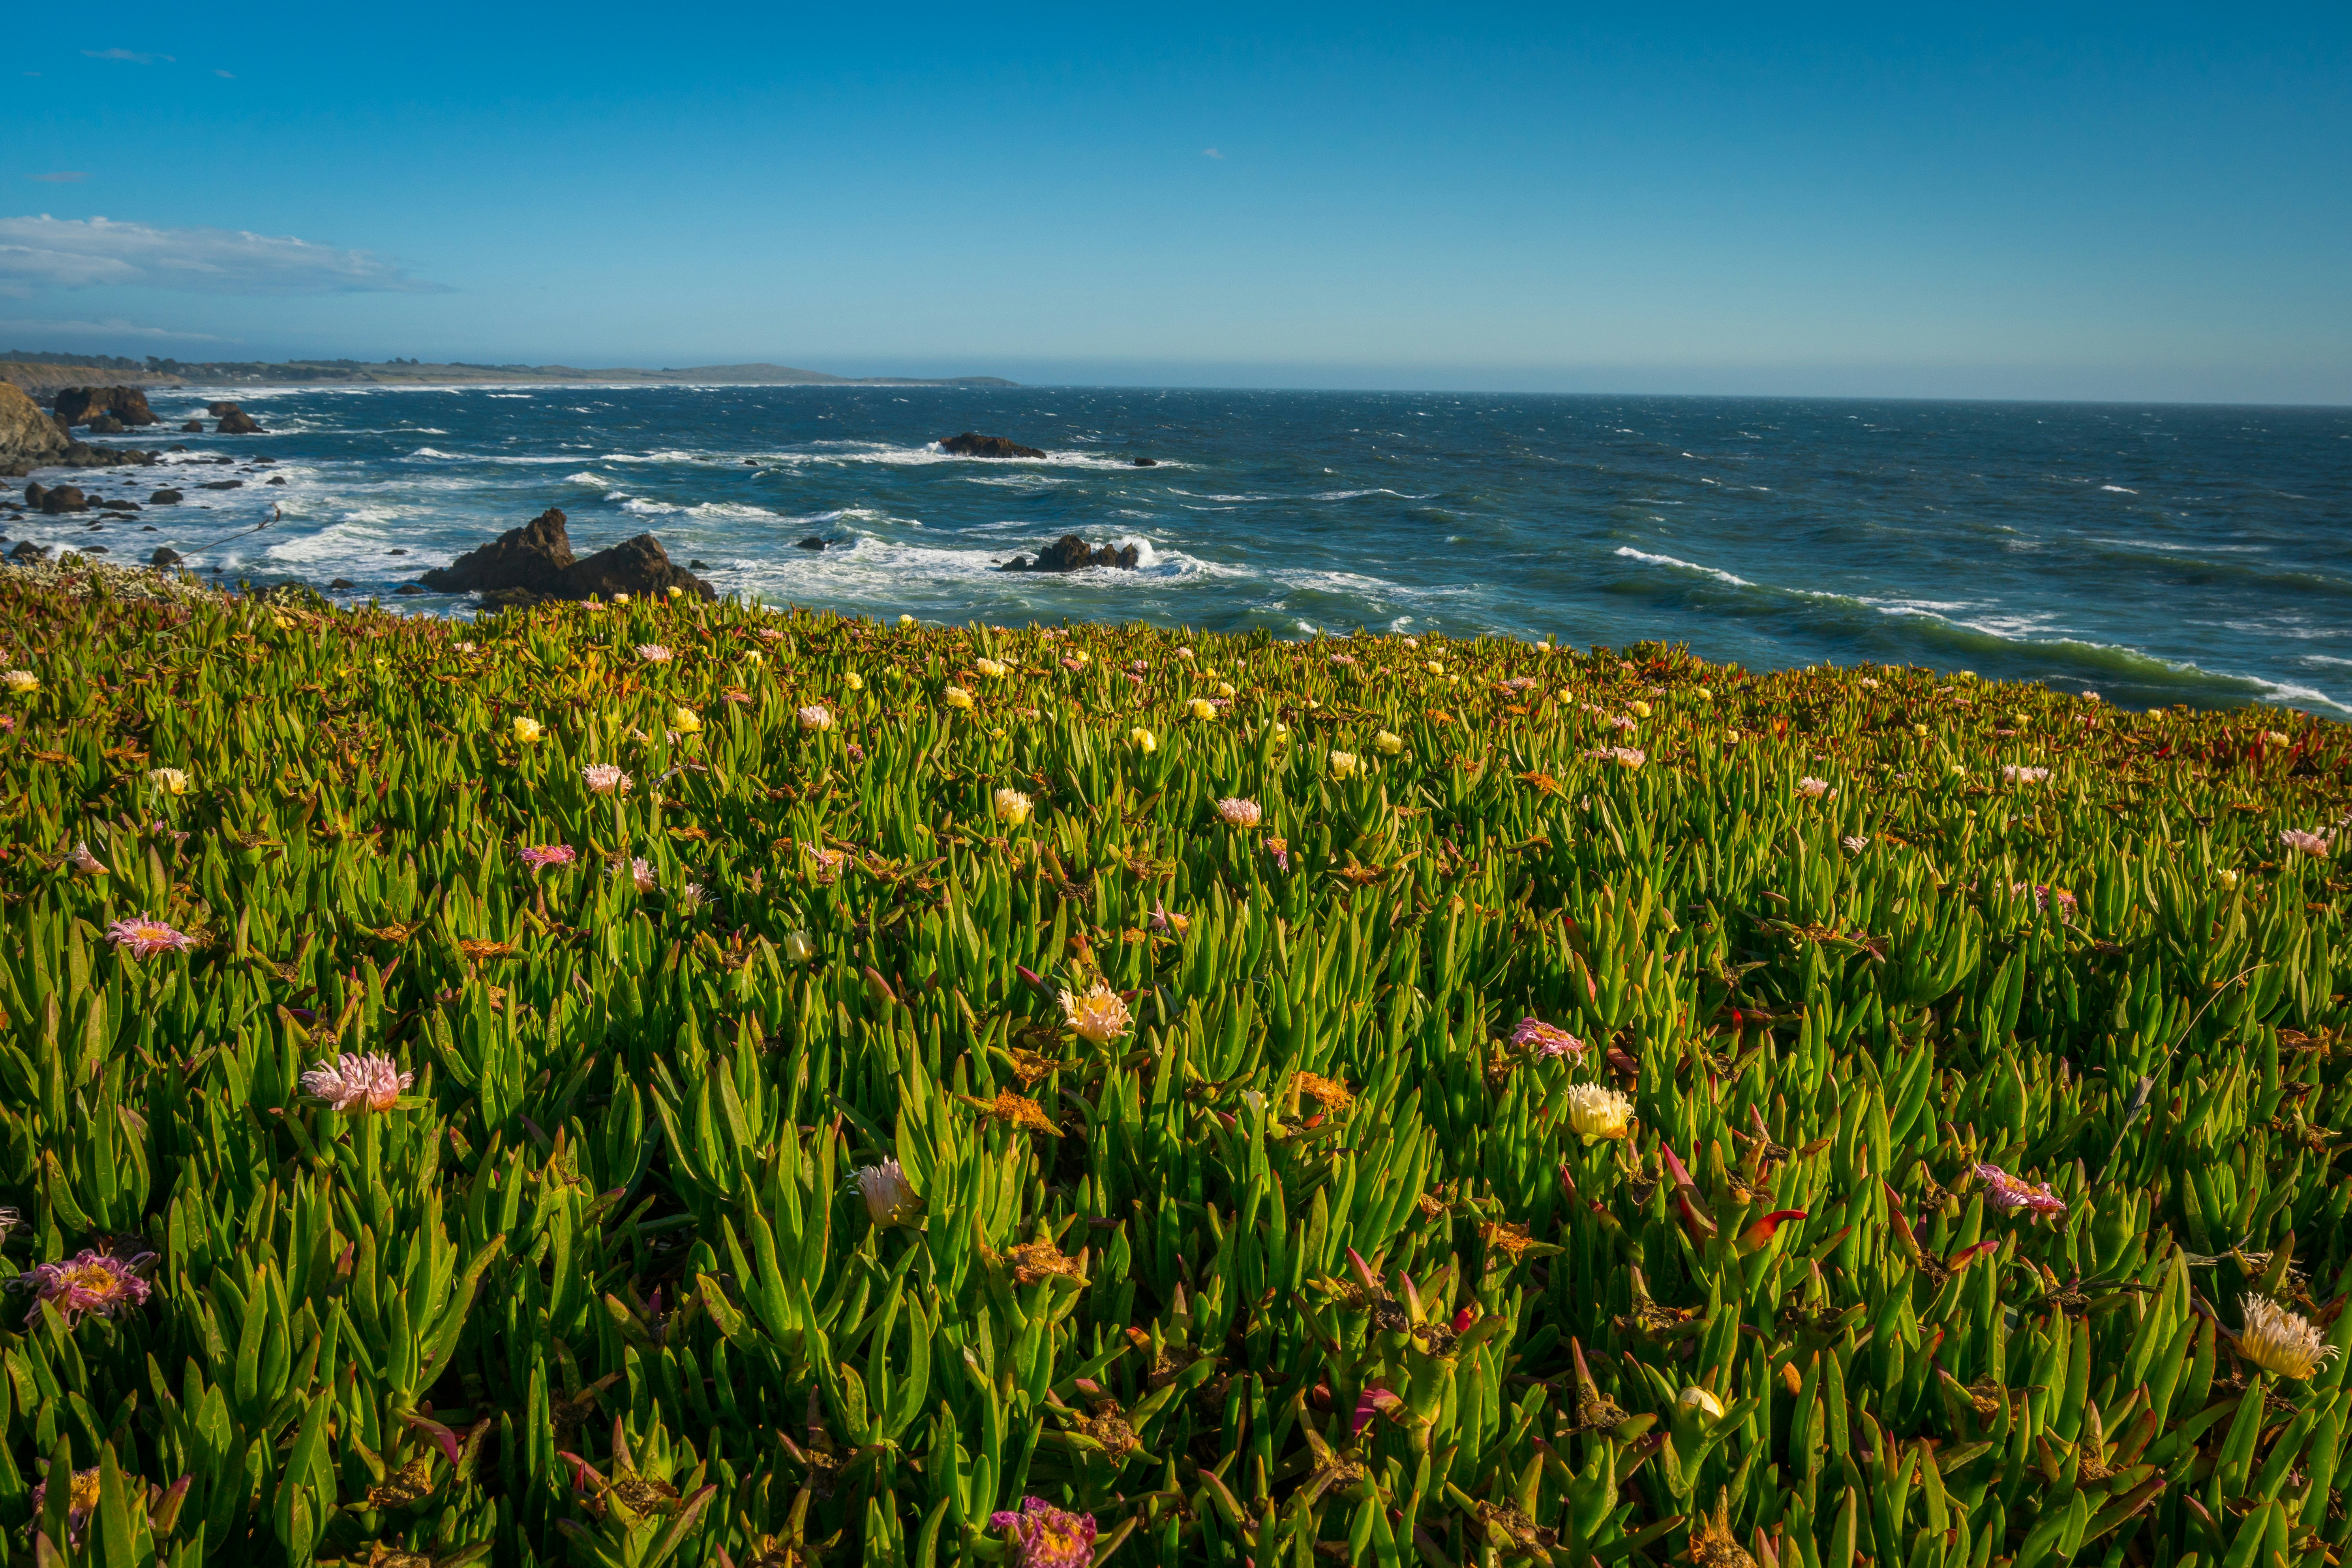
pixel 145 936
pixel 1546 1040
pixel 2003 1191
pixel 94 1281
pixel 1043 1536
pixel 357 1082
pixel 538 856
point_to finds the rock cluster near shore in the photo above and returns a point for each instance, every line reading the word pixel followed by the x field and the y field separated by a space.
pixel 1072 554
pixel 971 444
pixel 30 439
pixel 108 410
pixel 527 564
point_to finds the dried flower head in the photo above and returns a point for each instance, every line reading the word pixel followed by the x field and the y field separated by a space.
pixel 82 860
pixel 2284 1343
pixel 889 1199
pixel 1854 843
pixel 1043 1536
pixel 824 866
pixel 2304 843
pixel 357 1083
pixel 1098 1013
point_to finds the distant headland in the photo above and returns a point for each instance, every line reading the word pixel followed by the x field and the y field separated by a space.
pixel 37 372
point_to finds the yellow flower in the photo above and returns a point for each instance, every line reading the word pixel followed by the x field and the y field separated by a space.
pixel 1224 689
pixel 1919 730
pixel 956 697
pixel 1639 710
pixel 853 681
pixel 2226 877
pixel 1389 744
pixel 989 667
pixel 1012 805
pixel 1698 1403
pixel 284 625
pixel 1200 708
pixel 171 781
pixel 1702 693
pixel 1343 764
pixel 1099 1013
pixel 1435 669
pixel 675 591
pixel 1594 1111
pixel 685 720
pixel 906 620
pixel 1142 740
pixel 798 947
pixel 2280 1342
pixel 620 598
pixel 525 730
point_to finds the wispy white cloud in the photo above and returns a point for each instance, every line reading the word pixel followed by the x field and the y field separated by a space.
pixel 132 55
pixel 230 74
pixel 112 327
pixel 1213 152
pixel 47 252
pixel 63 177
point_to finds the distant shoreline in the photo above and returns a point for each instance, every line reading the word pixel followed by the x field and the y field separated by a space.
pixel 37 376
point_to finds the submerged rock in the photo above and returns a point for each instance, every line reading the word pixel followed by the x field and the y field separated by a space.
pixel 1072 554
pixel 972 445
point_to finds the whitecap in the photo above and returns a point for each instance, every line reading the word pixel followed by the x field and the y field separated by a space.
pixel 1643 555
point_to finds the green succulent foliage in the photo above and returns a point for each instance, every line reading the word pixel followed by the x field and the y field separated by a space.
pixel 763 1193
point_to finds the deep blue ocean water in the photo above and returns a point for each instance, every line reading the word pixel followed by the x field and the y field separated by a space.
pixel 2154 553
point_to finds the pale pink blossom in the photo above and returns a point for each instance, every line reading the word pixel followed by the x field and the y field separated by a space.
pixel 655 653
pixel 354 1082
pixel 143 936
pixel 539 856
pixel 2296 839
pixel 1815 789
pixel 1235 812
pixel 1624 756
pixel 605 778
pixel 83 861
pixel 2015 773
pixel 1546 1039
pixel 815 716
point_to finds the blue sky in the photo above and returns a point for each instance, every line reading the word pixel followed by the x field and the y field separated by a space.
pixel 2131 202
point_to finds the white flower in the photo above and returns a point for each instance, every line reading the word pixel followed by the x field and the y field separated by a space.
pixel 1388 745
pixel 1100 1015
pixel 357 1082
pixel 171 781
pixel 1594 1111
pixel 604 778
pixel 989 667
pixel 1698 1403
pixel 88 864
pixel 2013 774
pixel 2279 1342
pixel 889 1199
pixel 1343 764
pixel 20 681
pixel 1012 805
pixel 798 947
pixel 1235 812
pixel 2304 843
pixel 1814 789
pixel 641 871
pixel 815 716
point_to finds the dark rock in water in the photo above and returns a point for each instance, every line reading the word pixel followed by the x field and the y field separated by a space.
pixel 1072 554
pixel 165 556
pixel 408 588
pixel 62 498
pixel 234 421
pixel 120 505
pixel 149 528
pixel 639 566
pixel 32 494
pixel 217 409
pixel 182 447
pixel 263 462
pixel 340 583
pixel 124 405
pixel 972 445
pixel 396 552
pixel 222 485
pixel 811 543
pixel 164 497
pixel 696 566
pixel 192 427
pixel 276 480
pixel 511 599
pixel 1143 462
pixel 535 561
pixel 96 550
pixel 27 550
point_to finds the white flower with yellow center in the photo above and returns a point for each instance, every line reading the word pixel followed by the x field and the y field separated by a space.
pixel 2284 1343
pixel 956 697
pixel 889 1199
pixel 815 716
pixel 1594 1111
pixel 853 681
pixel 1098 1015
pixel 1389 744
pixel 1343 764
pixel 20 681
pixel 1226 688
pixel 1013 806
pixel 171 781
pixel 527 731
pixel 1235 812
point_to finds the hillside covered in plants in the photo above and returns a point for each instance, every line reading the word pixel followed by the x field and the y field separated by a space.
pixel 657 1083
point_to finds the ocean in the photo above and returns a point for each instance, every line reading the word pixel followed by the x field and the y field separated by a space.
pixel 2152 553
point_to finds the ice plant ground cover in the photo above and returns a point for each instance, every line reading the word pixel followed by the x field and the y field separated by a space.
pixel 1562 1136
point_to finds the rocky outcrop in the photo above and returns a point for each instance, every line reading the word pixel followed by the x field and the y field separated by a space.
pixel 234 421
pixel 164 497
pixel 1072 554
pixel 1143 462
pixel 165 556
pixel 56 498
pixel 535 561
pixel 30 439
pixel 89 404
pixel 971 445
pixel 192 427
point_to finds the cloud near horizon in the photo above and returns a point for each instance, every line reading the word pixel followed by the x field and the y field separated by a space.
pixel 47 252
pixel 112 327
pixel 134 55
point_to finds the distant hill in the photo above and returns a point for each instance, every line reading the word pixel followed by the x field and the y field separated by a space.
pixel 45 371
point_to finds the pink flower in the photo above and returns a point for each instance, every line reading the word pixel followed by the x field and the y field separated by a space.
pixel 94 1281
pixel 1624 756
pixel 2044 896
pixel 654 653
pixel 1043 1536
pixel 641 871
pixel 357 1082
pixel 825 865
pixel 1814 789
pixel 2013 774
pixel 2297 839
pixel 145 936
pixel 538 855
pixel 604 778
pixel 2003 1191
pixel 1546 1040
pixel 854 752
pixel 1344 660
pixel 83 861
